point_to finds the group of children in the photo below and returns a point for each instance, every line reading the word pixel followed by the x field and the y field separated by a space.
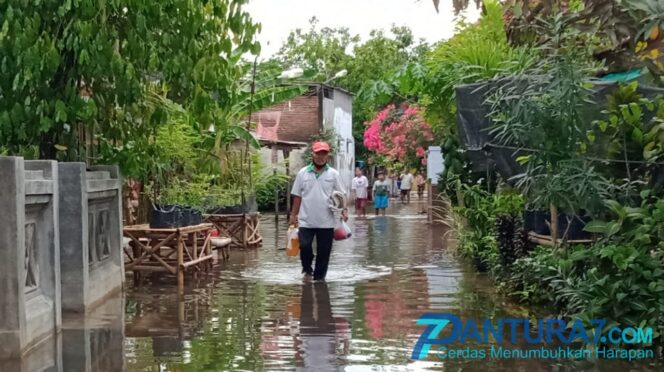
pixel 382 188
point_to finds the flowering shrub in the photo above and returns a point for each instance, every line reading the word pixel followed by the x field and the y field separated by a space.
pixel 399 134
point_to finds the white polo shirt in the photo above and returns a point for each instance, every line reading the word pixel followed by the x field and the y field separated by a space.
pixel 315 191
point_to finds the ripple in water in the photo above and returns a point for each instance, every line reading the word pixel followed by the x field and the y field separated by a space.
pixel 287 273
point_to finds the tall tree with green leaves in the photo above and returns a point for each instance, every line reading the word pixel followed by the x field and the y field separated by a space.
pixel 376 67
pixel 81 66
pixel 323 50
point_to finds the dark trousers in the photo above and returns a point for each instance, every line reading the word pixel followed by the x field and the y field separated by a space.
pixel 324 239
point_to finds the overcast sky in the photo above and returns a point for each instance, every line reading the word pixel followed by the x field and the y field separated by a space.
pixel 279 17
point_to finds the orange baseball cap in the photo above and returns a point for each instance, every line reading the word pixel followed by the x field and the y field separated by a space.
pixel 320 146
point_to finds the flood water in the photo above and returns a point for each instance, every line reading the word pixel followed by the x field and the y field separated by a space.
pixel 254 313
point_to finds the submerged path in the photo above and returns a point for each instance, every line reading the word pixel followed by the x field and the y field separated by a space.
pixel 254 313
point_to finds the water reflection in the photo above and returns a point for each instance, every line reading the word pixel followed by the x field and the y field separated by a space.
pixel 95 341
pixel 321 335
pixel 254 312
pixel 47 356
pixel 87 343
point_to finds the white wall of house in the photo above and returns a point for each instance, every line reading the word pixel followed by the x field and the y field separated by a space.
pixel 435 163
pixel 338 114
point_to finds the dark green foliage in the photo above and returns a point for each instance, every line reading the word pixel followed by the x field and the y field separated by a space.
pixel 493 234
pixel 110 50
pixel 265 194
pixel 477 52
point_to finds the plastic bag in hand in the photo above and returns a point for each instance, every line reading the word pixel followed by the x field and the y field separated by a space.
pixel 293 243
pixel 342 231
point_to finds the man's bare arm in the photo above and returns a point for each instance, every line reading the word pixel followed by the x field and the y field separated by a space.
pixel 295 209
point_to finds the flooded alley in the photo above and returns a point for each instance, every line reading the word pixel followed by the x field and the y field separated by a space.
pixel 255 313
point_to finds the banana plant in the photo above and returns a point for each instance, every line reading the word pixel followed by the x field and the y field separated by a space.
pixel 256 89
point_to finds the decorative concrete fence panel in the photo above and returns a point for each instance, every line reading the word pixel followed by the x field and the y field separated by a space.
pixel 30 309
pixel 90 234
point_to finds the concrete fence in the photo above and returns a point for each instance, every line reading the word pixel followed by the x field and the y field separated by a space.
pixel 90 234
pixel 60 246
pixel 29 254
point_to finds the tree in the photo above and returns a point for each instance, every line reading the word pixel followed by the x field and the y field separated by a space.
pixel 477 52
pixel 377 67
pixel 324 50
pixel 628 33
pixel 459 5
pixel 55 55
pixel 382 72
pixel 399 135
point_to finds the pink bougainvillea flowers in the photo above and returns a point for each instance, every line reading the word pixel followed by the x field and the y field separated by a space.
pixel 398 133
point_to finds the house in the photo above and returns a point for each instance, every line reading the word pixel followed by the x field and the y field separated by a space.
pixel 285 129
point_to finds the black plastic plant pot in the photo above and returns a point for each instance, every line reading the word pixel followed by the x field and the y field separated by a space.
pixel 165 216
pixel 165 346
pixel 576 225
pixel 190 216
pixel 195 217
pixel 535 221
pixel 185 217
pixel 480 264
pixel 215 210
pixel 229 209
pixel 232 209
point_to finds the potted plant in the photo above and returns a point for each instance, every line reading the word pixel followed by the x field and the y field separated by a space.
pixel 179 204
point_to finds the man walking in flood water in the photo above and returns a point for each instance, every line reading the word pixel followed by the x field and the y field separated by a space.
pixel 312 190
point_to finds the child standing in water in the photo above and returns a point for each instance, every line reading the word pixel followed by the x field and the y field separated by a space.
pixel 360 186
pixel 420 182
pixel 381 190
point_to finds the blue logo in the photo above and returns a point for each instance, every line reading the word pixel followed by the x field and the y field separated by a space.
pixel 521 331
pixel 435 323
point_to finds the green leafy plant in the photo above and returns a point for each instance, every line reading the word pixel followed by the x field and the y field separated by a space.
pixel 643 225
pixel 476 236
pixel 631 134
pixel 84 70
pixel 543 115
pixel 266 184
pixel 199 192
pixel 477 52
pixel 511 238
pixel 620 278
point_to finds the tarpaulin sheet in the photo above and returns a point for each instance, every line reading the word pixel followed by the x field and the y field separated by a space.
pixel 474 123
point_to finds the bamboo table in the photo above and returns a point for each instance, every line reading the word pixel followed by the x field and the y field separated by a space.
pixel 242 229
pixel 170 250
